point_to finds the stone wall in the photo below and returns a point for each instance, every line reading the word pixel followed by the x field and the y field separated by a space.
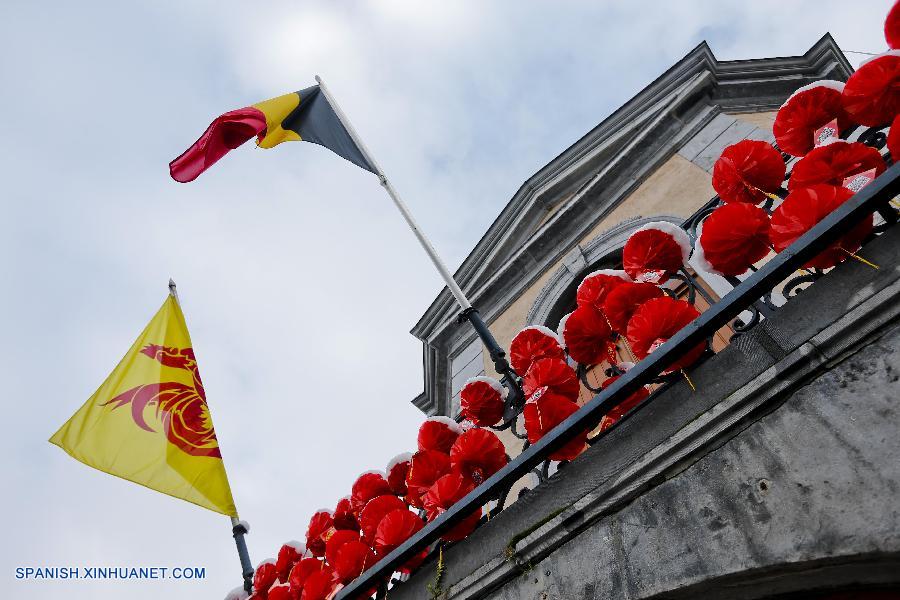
pixel 779 474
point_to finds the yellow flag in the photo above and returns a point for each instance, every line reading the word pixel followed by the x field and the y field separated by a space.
pixel 149 422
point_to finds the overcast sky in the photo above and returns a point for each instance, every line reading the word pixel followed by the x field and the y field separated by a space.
pixel 299 281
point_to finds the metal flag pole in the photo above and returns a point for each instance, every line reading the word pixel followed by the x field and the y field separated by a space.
pixel 238 528
pixel 469 312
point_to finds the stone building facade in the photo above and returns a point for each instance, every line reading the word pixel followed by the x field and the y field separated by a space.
pixel 778 476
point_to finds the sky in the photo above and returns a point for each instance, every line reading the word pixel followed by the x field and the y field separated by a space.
pixel 298 278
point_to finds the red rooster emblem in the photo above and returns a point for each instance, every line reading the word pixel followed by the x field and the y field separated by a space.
pixel 181 408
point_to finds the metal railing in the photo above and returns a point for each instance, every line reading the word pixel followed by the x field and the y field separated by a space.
pixel 752 293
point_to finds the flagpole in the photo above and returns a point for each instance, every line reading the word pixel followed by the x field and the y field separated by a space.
pixel 238 528
pixel 469 312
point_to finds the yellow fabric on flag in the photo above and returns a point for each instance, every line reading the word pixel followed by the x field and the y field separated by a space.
pixel 149 422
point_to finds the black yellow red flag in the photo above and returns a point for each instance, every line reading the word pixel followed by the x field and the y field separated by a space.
pixel 305 116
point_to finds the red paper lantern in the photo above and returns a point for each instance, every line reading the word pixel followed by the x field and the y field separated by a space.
pixel 321 526
pixel 395 528
pixel 594 287
pixel 872 94
pixel 805 207
pixel 320 584
pixel 893 140
pixel 301 572
pixel 545 410
pixel 613 416
pixel 835 162
pixel 396 471
pixel 532 343
pixel 586 335
pixel 554 374
pixel 374 511
pixel 425 467
pixel 351 560
pixel 481 401
pixel 655 252
pixel 478 454
pixel 367 486
pixel 289 555
pixel 746 171
pixel 733 237
pixel 281 591
pixel 655 322
pixel 624 300
pixel 343 515
pixel 438 433
pixel 892 26
pixel 338 539
pixel 807 110
pixel 265 575
pixel 447 491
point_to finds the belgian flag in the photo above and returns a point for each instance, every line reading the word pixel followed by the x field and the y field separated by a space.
pixel 305 116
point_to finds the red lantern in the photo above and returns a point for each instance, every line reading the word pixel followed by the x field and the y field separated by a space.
pixel 835 162
pixel 624 300
pixel 320 584
pixel 338 539
pixel 554 374
pixel 478 454
pixel 374 511
pixel 289 555
pixel 655 322
pixel 872 94
pixel 321 526
pixel 395 528
pixel 265 575
pixel 397 469
pixel 447 491
pixel 481 401
pixel 586 335
pixel 301 572
pixel 280 591
pixel 807 110
pixel 438 433
pixel 425 467
pixel 733 237
pixel 805 207
pixel 892 26
pixel 532 343
pixel 367 486
pixel 593 289
pixel 655 252
pixel 351 560
pixel 343 515
pixel 893 140
pixel 747 171
pixel 545 410
pixel 613 416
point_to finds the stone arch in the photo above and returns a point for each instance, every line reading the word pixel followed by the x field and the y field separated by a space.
pixel 603 250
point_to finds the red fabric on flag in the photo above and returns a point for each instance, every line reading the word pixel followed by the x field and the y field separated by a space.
pixel 655 322
pixel 805 207
pixel 734 237
pixel 872 94
pixel 223 135
pixel 746 170
pixel 835 162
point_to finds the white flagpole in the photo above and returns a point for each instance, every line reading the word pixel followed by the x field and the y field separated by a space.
pixel 398 202
pixel 516 397
pixel 238 527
